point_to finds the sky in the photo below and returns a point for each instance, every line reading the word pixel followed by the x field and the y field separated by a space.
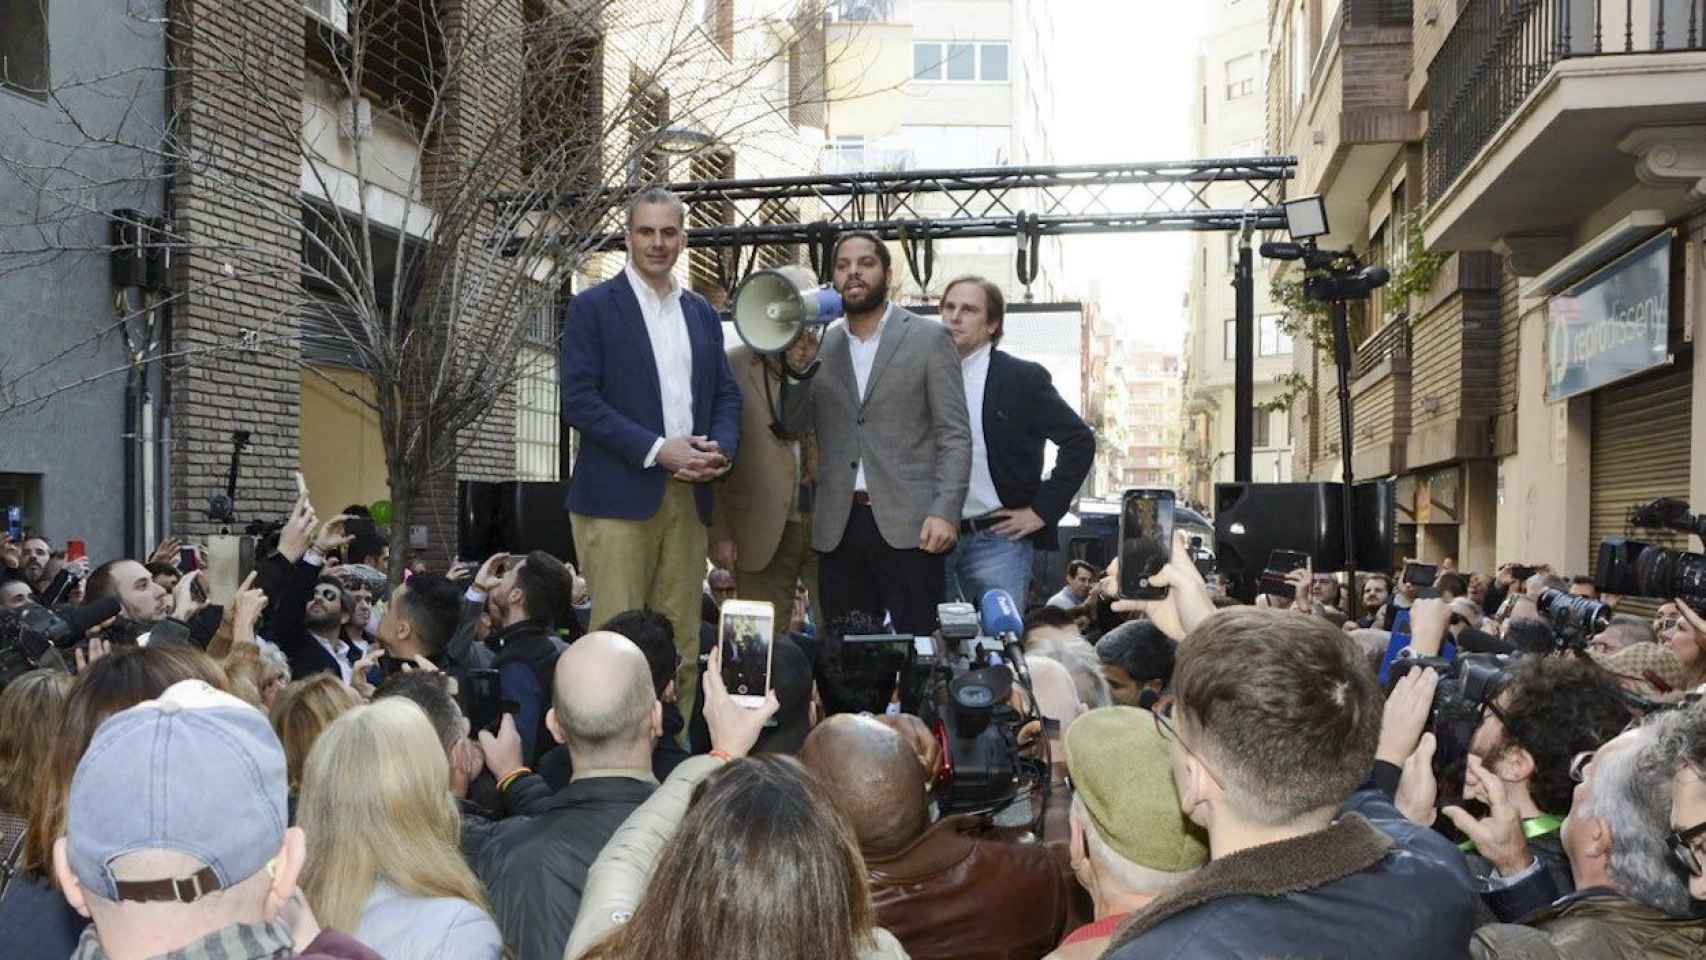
pixel 1123 76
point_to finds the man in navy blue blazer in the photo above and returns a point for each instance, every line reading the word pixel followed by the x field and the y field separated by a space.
pixel 647 384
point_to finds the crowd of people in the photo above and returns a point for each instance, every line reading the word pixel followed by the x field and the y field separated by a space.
pixel 517 758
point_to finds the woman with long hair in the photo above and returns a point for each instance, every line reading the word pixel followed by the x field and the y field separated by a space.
pixel 762 865
pixel 384 860
pixel 32 708
pixel 35 920
pixel 300 713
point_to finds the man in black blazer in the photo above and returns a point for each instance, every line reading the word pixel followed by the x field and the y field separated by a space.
pixel 1011 510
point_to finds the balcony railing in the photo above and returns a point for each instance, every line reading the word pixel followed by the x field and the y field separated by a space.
pixel 1500 50
pixel 1378 13
pixel 1390 341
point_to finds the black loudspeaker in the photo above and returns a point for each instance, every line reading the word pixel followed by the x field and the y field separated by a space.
pixel 512 517
pixel 1251 520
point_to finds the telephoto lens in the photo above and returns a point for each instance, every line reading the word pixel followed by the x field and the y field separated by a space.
pixel 1672 575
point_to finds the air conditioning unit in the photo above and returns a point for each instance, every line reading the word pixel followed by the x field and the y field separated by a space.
pixel 355 118
pixel 333 13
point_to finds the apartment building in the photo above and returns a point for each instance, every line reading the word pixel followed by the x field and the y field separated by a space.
pixel 941 85
pixel 1532 174
pixel 1230 120
pixel 646 90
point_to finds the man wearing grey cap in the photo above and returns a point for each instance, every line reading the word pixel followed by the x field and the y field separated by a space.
pixel 176 840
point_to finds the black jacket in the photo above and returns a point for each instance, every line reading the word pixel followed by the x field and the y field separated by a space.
pixel 291 585
pixel 526 662
pixel 1022 410
pixel 535 867
pixel 1371 885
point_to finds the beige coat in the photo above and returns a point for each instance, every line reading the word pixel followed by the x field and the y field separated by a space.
pixel 752 501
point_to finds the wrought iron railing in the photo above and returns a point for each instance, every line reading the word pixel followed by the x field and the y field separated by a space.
pixel 1378 13
pixel 1499 51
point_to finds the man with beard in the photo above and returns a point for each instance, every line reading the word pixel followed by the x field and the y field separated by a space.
pixel 887 402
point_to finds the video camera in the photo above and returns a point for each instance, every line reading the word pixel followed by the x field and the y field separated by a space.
pixel 1465 688
pixel 30 634
pixel 1635 568
pixel 959 681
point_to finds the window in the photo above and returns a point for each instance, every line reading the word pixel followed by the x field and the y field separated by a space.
pixel 1274 340
pixel 720 24
pixel 926 61
pixel 23 46
pixel 1299 51
pixel 1230 351
pixel 960 62
pixel 1241 76
pixel 1262 420
pixel 537 430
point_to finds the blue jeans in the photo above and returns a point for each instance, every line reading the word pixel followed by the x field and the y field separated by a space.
pixel 985 561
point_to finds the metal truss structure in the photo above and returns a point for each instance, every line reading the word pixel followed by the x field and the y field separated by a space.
pixel 919 207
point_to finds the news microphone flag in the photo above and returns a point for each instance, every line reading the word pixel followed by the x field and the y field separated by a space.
pixel 999 614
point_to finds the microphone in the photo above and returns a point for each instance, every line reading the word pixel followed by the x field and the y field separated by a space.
pixel 1283 251
pixel 999 615
pixel 83 618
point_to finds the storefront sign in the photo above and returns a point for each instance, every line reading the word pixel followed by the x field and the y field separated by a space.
pixel 1612 325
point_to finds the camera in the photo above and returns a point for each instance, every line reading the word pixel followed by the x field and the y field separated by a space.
pixel 959 681
pixel 1574 619
pixel 1465 688
pixel 1636 568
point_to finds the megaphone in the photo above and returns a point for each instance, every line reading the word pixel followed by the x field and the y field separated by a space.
pixel 773 307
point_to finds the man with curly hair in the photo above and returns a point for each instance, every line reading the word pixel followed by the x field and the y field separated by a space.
pixel 1549 710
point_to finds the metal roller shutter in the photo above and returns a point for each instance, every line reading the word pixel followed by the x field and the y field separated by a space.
pixel 1640 451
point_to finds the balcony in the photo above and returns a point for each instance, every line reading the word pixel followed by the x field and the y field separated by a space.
pixel 1352 117
pixel 1541 114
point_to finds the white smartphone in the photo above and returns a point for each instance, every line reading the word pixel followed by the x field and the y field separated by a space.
pixel 745 631
pixel 301 485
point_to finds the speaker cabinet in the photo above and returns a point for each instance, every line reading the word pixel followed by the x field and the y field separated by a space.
pixel 1251 520
pixel 514 516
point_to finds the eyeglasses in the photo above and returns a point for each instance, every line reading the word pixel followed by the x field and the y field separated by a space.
pixel 1681 843
pixel 327 593
pixel 1579 766
pixel 1164 728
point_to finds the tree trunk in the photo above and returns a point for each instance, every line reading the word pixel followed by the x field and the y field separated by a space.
pixel 402 509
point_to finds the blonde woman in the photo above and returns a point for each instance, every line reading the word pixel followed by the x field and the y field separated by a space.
pixel 383 834
pixel 300 713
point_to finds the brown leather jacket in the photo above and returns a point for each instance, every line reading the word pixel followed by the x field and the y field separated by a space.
pixel 1596 924
pixel 959 892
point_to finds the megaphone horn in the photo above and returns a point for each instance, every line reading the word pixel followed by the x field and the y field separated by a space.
pixel 773 307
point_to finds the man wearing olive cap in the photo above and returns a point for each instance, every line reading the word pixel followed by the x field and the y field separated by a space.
pixel 1130 841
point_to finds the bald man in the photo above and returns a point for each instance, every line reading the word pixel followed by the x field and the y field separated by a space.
pixel 949 889
pixel 605 711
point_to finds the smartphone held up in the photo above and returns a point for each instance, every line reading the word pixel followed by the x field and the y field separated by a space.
pixel 746 630
pixel 1146 541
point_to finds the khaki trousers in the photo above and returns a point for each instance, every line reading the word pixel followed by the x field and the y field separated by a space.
pixel 794 560
pixel 656 563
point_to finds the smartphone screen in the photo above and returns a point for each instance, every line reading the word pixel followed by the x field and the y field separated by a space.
pixel 1280 563
pixel 188 560
pixel 745 632
pixel 1421 574
pixel 1146 541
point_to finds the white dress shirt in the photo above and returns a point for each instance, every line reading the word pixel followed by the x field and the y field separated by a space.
pixel 666 326
pixel 864 355
pixel 981 497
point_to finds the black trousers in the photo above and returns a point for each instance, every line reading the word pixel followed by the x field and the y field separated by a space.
pixel 866 575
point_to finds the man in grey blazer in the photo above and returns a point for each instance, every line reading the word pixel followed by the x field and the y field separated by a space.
pixel 888 405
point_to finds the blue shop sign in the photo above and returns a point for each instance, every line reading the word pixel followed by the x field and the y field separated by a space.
pixel 1612 325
